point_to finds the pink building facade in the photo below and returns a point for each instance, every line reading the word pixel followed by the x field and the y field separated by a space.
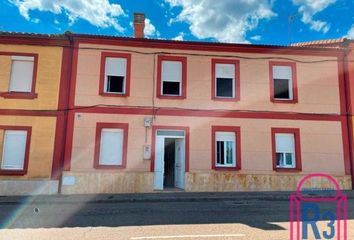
pixel 152 115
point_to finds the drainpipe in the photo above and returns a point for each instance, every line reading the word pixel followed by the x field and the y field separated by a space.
pixel 65 109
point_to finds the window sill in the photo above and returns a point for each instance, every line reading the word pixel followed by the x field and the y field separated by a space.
pixel 287 170
pixel 13 172
pixel 171 97
pixel 108 167
pixel 226 168
pixel 114 94
pixel 293 101
pixel 18 95
pixel 221 99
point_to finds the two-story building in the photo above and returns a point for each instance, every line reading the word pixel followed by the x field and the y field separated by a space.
pixel 157 114
pixel 33 99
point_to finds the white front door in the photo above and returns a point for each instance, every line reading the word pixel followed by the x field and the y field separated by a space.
pixel 159 163
pixel 180 163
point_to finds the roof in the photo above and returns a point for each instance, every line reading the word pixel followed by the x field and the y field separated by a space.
pixel 35 38
pixel 65 38
pixel 336 43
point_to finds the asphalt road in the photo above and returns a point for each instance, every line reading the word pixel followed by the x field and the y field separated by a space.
pixel 202 219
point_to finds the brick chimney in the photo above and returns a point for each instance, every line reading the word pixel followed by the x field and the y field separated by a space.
pixel 139 25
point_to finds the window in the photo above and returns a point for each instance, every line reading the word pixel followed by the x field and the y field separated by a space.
pixel 225 75
pixel 286 149
pixel 15 149
pixel 111 145
pixel 22 76
pixel 171 77
pixel 283 82
pixel 226 147
pixel 115 74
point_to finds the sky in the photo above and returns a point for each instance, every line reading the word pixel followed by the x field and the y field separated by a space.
pixel 276 22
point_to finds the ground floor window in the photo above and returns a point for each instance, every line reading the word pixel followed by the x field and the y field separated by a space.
pixel 226 147
pixel 15 150
pixel 286 149
pixel 111 145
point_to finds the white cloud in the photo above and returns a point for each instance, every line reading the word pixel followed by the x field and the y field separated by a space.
pixel 150 29
pixel 350 33
pixel 99 13
pixel 308 8
pixel 256 38
pixel 226 20
pixel 179 37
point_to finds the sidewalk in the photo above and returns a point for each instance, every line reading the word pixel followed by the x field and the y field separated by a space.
pixel 154 197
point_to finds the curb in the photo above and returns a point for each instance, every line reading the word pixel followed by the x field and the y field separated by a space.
pixel 151 197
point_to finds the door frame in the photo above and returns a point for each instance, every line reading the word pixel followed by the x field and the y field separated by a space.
pixel 172 128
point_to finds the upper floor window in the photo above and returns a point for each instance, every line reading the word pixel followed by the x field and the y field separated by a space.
pixel 115 74
pixel 15 150
pixel 226 147
pixel 283 82
pixel 225 75
pixel 171 77
pixel 286 149
pixel 22 76
pixel 111 145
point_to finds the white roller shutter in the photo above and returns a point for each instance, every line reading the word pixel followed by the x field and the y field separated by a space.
pixel 21 74
pixel 111 147
pixel 225 70
pixel 285 143
pixel 116 66
pixel 171 71
pixel 14 149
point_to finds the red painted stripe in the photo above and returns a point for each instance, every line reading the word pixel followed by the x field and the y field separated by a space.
pixel 60 130
pixel 210 113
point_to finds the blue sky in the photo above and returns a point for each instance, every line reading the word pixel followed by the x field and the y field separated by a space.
pixel 252 21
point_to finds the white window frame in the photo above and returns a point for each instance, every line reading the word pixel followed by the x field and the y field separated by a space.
pixel 288 78
pixel 218 76
pixel 5 165
pixel 114 146
pixel 13 75
pixel 180 80
pixel 292 151
pixel 125 69
pixel 225 137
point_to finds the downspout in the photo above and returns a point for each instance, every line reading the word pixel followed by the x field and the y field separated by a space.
pixel 66 107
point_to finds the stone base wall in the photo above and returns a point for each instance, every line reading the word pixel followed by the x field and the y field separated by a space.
pixel 107 182
pixel 233 181
pixel 142 182
pixel 28 187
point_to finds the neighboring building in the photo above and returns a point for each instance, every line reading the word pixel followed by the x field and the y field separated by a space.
pixel 155 114
pixel 347 60
pixel 32 89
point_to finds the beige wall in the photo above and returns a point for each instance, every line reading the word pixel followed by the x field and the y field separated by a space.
pixel 48 77
pixel 318 90
pixel 321 142
pixel 41 148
